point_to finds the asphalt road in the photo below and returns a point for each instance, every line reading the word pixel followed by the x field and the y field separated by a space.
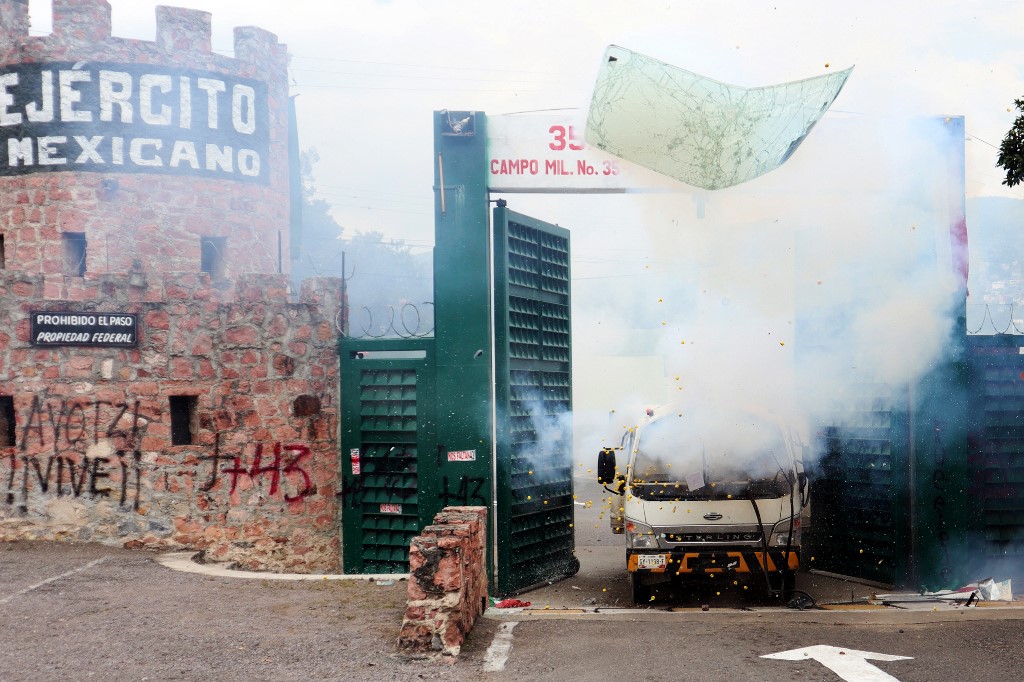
pixel 77 612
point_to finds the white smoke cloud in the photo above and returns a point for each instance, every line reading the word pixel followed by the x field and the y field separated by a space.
pixel 783 292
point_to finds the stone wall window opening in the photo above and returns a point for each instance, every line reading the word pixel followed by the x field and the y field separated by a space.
pixel 3 256
pixel 213 257
pixel 183 419
pixel 74 253
pixel 6 421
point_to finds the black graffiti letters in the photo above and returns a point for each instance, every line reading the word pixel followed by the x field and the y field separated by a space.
pixel 70 476
pixel 75 424
pixel 470 491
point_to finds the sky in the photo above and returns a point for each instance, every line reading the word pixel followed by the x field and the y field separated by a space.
pixel 692 291
pixel 369 74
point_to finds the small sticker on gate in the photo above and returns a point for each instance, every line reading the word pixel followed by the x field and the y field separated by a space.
pixel 390 508
pixel 356 467
pixel 650 561
pixel 462 455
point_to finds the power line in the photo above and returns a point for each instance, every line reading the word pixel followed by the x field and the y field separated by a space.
pixel 460 67
pixel 396 88
pixel 380 208
pixel 410 76
pixel 408 202
pixel 975 137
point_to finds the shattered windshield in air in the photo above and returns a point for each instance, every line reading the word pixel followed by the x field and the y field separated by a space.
pixel 698 130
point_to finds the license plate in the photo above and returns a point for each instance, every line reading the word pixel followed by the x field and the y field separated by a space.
pixel 650 561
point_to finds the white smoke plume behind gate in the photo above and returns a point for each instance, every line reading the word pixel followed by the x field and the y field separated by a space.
pixel 781 293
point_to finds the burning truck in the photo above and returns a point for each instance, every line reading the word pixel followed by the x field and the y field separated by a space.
pixel 707 495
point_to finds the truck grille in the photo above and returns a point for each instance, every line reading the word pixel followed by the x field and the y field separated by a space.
pixel 752 536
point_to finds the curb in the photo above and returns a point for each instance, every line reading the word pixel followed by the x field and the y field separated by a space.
pixel 182 561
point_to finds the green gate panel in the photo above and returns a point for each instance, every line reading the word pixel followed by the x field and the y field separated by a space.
pixel 860 524
pixel 387 438
pixel 533 387
pixel 941 472
pixel 996 444
pixel 890 498
pixel 463 315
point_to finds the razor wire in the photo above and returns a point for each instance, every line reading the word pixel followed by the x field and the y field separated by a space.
pixel 407 322
pixel 1006 322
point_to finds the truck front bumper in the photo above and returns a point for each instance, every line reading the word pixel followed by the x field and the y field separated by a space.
pixel 685 562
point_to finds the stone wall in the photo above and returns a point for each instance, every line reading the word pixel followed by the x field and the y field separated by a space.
pixel 447 583
pixel 156 218
pixel 216 428
pixel 90 453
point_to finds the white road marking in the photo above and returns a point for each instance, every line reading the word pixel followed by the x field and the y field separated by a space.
pixel 28 589
pixel 501 646
pixel 849 664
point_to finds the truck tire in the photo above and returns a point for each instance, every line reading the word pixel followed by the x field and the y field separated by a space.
pixel 641 592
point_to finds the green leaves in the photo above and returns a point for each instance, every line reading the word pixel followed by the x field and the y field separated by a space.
pixel 1011 151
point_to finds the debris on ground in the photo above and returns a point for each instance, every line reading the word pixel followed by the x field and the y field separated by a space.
pixel 512 604
pixel 972 594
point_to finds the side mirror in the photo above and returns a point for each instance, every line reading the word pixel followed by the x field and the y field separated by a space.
pixel 606 466
pixel 803 482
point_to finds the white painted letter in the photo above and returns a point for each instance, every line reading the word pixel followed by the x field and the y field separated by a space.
pixel 185 103
pixel 147 82
pixel 119 95
pixel 212 86
pixel 42 114
pixel 19 150
pixel 117 151
pixel 184 150
pixel 89 153
pixel 69 96
pixel 8 80
pixel 243 109
pixel 215 156
pixel 248 162
pixel 47 152
pixel 135 151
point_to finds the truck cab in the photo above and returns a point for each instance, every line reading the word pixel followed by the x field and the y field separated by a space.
pixel 707 495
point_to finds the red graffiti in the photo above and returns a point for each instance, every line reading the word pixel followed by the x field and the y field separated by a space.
pixel 280 465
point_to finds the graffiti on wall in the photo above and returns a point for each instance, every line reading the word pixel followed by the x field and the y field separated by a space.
pixel 285 464
pixel 74 424
pixel 93 449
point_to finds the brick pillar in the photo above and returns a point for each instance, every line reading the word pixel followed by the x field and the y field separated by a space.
pixel 447 583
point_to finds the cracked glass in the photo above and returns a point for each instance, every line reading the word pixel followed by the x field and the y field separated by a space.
pixel 698 130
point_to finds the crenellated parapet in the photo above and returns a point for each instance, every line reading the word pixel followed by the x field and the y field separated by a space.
pixel 82 29
pixel 151 151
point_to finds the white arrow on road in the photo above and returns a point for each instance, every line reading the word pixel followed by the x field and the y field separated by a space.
pixel 849 664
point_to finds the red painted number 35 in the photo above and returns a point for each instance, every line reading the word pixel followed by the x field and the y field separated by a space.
pixel 561 139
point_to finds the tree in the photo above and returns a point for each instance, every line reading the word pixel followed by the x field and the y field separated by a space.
pixel 1011 151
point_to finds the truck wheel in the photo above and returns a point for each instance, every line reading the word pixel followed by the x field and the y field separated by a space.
pixel 641 592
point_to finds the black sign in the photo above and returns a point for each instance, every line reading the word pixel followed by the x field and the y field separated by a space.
pixel 91 116
pixel 84 329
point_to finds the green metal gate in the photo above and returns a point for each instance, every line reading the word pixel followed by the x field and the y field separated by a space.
pixel 388 448
pixel 997 455
pixel 860 524
pixel 890 500
pixel 533 389
pixel 478 414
